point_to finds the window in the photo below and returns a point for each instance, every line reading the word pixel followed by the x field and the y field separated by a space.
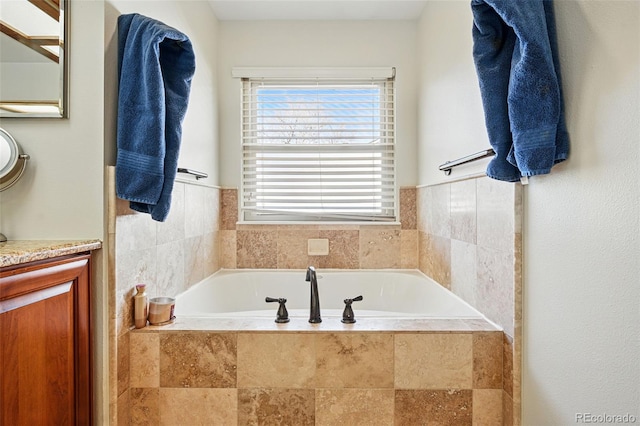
pixel 318 150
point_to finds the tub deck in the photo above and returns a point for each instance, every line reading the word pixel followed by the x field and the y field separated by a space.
pixel 329 324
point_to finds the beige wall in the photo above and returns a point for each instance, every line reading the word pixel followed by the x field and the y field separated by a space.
pixel 581 231
pixel 199 148
pixel 60 194
pixel 320 44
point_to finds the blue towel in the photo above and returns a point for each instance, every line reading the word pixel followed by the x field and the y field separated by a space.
pixel 516 59
pixel 155 66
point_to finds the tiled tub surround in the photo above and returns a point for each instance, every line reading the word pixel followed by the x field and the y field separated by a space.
pixel 174 255
pixel 470 238
pixel 350 246
pixel 169 257
pixel 282 374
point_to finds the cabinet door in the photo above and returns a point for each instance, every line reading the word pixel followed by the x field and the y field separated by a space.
pixel 44 350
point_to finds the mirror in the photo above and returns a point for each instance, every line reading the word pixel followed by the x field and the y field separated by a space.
pixel 12 161
pixel 33 58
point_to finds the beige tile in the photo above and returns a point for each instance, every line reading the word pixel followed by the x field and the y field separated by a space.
pixel 144 368
pixel 111 275
pixel 379 248
pixel 211 210
pixel 354 360
pixel 517 279
pixel 198 360
pixel 516 373
pixel 255 227
pixel 433 361
pixel 194 210
pixel 463 210
pixel 133 267
pixel 257 249
pixel 170 270
pixel 193 261
pixel 122 208
pixel 113 372
pixel 211 246
pixel 409 249
pixel 507 366
pixel 228 209
pixel 464 278
pixel 496 223
pixel 344 249
pixel 123 363
pixel 292 247
pixel 228 249
pixel 276 360
pixel 487 360
pixel 422 208
pixel 135 232
pixel 433 407
pixel 509 416
pixel 123 410
pixel 408 208
pixel 172 229
pixel 423 264
pixel 269 406
pixel 487 407
pixel 439 210
pixel 198 407
pixel 144 406
pixel 355 407
pixel 494 295
pixel 435 258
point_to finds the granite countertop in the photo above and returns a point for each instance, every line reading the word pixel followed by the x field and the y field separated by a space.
pixel 23 251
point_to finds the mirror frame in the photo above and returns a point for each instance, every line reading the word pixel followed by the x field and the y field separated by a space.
pixel 63 67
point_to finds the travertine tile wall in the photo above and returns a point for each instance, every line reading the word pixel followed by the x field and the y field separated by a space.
pixel 456 233
pixel 350 246
pixel 320 378
pixel 470 237
pixel 168 257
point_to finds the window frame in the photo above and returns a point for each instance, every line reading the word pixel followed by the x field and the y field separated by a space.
pixel 383 78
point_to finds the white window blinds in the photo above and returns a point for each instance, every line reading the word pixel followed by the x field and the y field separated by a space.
pixel 318 150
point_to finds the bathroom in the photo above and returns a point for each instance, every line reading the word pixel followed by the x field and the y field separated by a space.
pixel 578 331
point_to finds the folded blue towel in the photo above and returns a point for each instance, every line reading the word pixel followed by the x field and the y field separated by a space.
pixel 516 59
pixel 155 66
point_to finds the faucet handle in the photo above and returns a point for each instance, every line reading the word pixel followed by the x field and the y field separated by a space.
pixel 347 316
pixel 310 270
pixel 283 315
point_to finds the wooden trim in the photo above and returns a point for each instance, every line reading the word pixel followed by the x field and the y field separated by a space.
pixel 34 43
pixel 50 7
pixel 29 279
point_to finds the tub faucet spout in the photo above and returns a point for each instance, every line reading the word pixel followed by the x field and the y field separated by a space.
pixel 314 312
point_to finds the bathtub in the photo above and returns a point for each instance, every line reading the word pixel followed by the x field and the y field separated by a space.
pixel 392 294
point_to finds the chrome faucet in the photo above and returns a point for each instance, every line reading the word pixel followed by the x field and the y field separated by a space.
pixel 314 312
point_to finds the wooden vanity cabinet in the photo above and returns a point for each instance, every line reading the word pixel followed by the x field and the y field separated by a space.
pixel 45 342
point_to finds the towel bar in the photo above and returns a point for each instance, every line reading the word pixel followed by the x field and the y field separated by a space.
pixel 446 167
pixel 198 175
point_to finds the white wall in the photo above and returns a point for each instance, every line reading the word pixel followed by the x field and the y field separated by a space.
pixel 60 194
pixel 321 44
pixel 199 148
pixel 451 122
pixel 582 322
pixel 581 235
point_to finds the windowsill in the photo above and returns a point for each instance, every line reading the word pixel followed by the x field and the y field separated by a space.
pixel 315 223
